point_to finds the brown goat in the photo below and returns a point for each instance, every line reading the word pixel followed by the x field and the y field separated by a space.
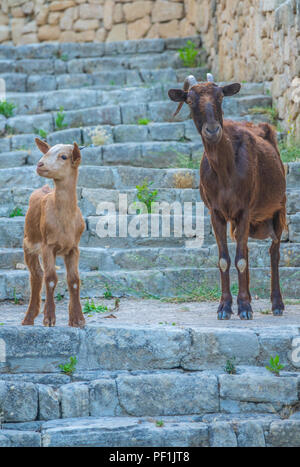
pixel 242 181
pixel 53 226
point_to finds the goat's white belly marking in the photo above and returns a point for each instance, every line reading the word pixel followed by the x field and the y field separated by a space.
pixel 51 284
pixel 75 286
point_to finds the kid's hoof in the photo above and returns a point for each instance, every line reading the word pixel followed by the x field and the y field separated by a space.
pixel 27 322
pixel 246 314
pixel 277 312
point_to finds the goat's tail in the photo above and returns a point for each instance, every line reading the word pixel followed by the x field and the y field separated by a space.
pixel 269 133
pixel 232 230
pixel 282 216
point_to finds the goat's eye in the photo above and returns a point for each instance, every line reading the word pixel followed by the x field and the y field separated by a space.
pixel 64 157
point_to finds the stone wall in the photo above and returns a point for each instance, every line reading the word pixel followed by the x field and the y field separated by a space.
pixel 23 21
pixel 255 40
pixel 247 40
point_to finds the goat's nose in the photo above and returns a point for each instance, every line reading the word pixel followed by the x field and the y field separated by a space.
pixel 40 164
pixel 212 131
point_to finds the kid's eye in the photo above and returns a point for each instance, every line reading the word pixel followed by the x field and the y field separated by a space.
pixel 64 157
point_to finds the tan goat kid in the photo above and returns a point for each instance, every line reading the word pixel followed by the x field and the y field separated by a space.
pixel 53 226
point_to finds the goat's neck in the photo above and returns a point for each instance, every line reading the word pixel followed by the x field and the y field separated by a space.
pixel 221 157
pixel 65 197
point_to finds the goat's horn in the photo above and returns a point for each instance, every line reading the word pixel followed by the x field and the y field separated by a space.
pixel 209 77
pixel 188 83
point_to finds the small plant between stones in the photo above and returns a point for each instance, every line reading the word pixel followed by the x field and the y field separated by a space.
pixel 230 366
pixel 143 121
pixel 59 120
pixel 7 108
pixel 274 366
pixel 159 423
pixel 146 195
pixel 90 307
pixel 69 367
pixel 42 133
pixel 188 54
pixel 16 212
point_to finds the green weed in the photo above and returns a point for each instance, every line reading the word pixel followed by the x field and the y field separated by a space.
pixel 274 365
pixel 7 108
pixel 188 54
pixel 16 212
pixel 69 367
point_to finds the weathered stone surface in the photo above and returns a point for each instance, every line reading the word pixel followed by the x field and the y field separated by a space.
pixel 104 399
pixel 250 434
pixel 74 400
pixel 259 388
pixel 221 434
pixel 168 394
pixel 18 401
pixel 49 403
pixel 285 433
pixel 123 432
pixel 148 349
pixel 213 348
pixel 22 439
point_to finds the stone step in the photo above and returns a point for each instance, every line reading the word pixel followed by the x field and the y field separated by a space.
pixel 108 80
pixel 119 177
pixel 155 394
pixel 254 430
pixel 70 99
pixel 123 133
pixel 73 50
pixel 111 347
pixel 89 198
pixel 143 258
pixel 122 177
pixel 158 111
pixel 181 282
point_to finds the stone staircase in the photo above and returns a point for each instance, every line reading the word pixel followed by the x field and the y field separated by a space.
pixel 148 386
pixel 134 385
pixel 79 78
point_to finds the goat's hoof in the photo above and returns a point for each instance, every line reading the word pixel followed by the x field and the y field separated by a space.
pixel 247 314
pixel 27 322
pixel 223 314
pixel 277 312
pixel 224 311
pixel 77 323
pixel 49 322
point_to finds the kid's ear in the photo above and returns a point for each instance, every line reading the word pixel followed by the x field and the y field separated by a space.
pixel 76 155
pixel 42 145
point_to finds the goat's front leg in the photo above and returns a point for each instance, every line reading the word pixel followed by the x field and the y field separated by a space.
pixel 242 265
pixel 76 318
pixel 36 281
pixel 50 278
pixel 220 229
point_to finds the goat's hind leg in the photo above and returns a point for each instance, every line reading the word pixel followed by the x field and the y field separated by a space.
pixel 276 297
pixel 76 318
pixel 36 282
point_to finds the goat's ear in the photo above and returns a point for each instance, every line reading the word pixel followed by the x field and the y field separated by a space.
pixel 231 89
pixel 42 145
pixel 76 155
pixel 177 95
